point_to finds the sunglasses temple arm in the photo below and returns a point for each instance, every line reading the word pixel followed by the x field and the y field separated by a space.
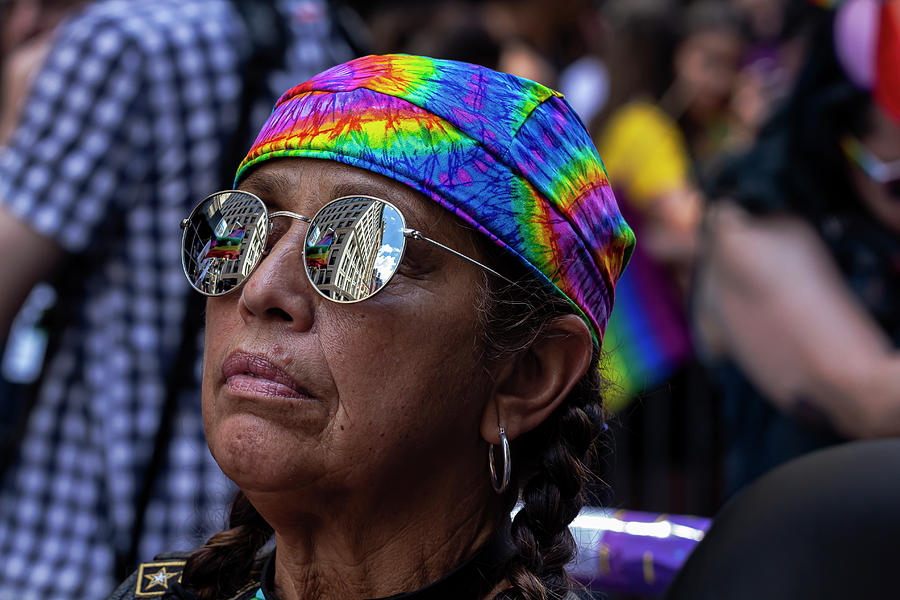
pixel 417 235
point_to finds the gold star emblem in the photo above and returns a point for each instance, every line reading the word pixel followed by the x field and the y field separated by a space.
pixel 153 577
pixel 160 578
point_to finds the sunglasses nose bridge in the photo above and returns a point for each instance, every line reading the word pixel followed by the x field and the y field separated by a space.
pixel 270 226
pixel 289 214
pixel 291 240
pixel 277 288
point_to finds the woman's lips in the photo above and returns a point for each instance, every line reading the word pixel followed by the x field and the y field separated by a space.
pixel 255 374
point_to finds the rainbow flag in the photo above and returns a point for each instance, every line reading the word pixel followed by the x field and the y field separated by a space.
pixel 647 338
pixel 315 259
pixel 317 256
pixel 226 247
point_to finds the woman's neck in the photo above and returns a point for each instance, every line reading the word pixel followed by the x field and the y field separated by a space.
pixel 374 547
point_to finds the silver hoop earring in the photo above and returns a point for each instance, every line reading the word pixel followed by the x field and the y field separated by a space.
pixel 501 485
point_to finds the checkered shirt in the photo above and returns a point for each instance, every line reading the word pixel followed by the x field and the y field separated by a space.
pixel 124 130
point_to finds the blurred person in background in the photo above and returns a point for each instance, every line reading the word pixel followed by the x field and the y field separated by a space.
pixel 798 290
pixel 116 131
pixel 25 29
pixel 822 526
pixel 554 40
pixel 672 74
pixel 25 37
pixel 638 134
pixel 705 64
pixel 551 42
pixel 454 30
pixel 775 32
pixel 667 122
pixel 541 38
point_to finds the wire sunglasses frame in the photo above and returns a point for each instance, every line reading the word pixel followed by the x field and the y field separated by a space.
pixel 204 271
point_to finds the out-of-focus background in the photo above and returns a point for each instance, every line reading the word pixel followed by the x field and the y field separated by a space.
pixel 671 92
pixel 752 146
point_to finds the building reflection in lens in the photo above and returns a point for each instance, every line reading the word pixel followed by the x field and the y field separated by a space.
pixel 342 247
pixel 229 237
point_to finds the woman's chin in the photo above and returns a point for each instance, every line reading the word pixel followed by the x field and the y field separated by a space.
pixel 257 456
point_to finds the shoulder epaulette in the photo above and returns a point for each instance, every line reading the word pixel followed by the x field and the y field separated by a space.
pixel 154 578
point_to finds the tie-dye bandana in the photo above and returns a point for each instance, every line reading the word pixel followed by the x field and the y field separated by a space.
pixel 505 154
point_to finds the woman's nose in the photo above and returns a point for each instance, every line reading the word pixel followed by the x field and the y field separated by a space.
pixel 278 289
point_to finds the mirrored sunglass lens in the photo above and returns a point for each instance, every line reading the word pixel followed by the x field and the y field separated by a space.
pixel 353 248
pixel 223 241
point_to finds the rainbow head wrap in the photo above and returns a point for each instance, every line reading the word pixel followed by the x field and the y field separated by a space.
pixel 506 155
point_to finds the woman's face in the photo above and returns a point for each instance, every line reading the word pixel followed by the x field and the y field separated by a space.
pixel 301 393
pixel 706 64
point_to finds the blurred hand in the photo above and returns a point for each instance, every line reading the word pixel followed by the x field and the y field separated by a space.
pixel 18 70
pixel 19 20
pixel 771 299
pixel 669 232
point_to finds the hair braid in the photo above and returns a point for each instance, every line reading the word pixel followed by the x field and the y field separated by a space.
pixel 553 462
pixel 228 560
pixel 560 452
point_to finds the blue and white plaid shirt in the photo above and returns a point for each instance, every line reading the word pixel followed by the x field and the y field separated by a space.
pixel 124 130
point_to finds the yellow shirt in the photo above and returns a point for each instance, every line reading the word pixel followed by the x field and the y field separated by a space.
pixel 644 152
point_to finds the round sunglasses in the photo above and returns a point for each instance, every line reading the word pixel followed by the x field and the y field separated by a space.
pixel 353 245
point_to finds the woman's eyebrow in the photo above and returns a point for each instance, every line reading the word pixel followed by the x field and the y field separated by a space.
pixel 367 188
pixel 272 188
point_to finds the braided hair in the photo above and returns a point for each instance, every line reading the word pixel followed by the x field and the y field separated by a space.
pixel 551 464
pixel 230 558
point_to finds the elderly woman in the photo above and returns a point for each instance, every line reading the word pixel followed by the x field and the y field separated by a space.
pixel 407 293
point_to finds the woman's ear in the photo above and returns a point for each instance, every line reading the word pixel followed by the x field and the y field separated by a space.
pixel 532 383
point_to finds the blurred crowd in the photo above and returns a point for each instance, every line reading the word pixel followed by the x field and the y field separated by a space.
pixel 753 145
